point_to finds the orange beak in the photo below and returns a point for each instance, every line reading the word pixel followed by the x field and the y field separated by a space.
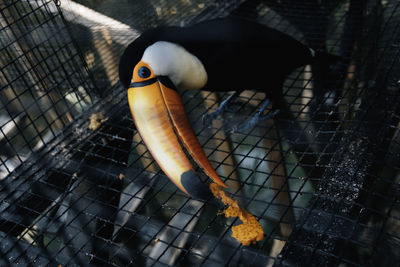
pixel 162 122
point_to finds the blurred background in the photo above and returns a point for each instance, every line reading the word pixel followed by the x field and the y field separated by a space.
pixel 78 186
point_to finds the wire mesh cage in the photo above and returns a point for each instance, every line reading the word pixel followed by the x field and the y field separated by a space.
pixel 79 187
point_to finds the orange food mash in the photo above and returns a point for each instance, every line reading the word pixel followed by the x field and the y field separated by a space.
pixel 250 231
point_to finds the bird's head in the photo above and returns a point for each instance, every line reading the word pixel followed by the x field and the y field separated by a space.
pixel 158 111
pixel 165 59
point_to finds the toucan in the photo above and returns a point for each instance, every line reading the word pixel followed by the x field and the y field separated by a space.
pixel 224 54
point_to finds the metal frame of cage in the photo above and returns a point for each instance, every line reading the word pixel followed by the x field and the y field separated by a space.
pixel 71 195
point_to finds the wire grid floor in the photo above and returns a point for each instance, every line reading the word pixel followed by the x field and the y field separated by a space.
pixel 322 178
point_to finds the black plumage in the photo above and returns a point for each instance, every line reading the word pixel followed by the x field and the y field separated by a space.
pixel 237 54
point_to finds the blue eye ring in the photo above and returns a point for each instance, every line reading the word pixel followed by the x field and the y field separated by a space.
pixel 144 72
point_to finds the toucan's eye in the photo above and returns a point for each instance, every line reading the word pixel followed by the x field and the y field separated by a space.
pixel 144 72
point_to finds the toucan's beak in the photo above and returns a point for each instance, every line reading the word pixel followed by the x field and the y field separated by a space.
pixel 161 120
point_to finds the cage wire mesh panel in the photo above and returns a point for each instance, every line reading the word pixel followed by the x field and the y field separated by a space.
pixel 79 187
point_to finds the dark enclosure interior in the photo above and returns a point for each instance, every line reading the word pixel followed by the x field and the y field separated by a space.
pixel 323 180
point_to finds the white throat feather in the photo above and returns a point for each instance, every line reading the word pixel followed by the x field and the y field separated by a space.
pixel 183 68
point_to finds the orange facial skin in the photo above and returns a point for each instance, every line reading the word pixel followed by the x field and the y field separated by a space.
pixel 160 118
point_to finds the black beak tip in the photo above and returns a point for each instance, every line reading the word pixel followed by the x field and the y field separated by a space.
pixel 194 186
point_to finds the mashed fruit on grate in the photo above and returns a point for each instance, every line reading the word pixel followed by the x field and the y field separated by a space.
pixel 96 119
pixel 250 231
